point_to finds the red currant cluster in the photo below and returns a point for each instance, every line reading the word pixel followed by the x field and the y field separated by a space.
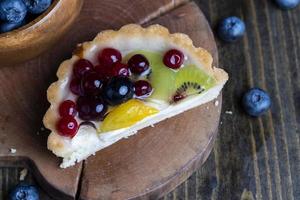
pixel 107 83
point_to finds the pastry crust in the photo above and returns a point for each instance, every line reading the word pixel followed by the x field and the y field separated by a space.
pixel 199 56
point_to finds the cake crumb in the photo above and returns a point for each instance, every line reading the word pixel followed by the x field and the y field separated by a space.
pixel 207 107
pixel 13 151
pixel 229 112
pixel 152 125
pixel 23 174
pixel 216 103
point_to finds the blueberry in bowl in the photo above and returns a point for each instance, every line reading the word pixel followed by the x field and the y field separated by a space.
pixel 9 26
pixel 16 13
pixel 12 14
pixel 12 11
pixel 29 27
pixel 37 6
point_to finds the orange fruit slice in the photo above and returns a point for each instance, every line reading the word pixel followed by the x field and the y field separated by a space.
pixel 126 115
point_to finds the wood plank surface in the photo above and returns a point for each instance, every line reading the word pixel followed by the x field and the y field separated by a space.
pixel 252 158
pixel 255 158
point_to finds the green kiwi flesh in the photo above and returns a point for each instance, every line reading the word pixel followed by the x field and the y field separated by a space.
pixel 190 80
pixel 166 83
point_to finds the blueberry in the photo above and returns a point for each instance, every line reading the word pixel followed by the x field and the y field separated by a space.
pixel 37 6
pixel 287 4
pixel 231 28
pixel 8 26
pixel 256 101
pixel 24 191
pixel 13 11
pixel 118 90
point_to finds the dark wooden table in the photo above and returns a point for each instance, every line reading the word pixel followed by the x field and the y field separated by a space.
pixel 253 158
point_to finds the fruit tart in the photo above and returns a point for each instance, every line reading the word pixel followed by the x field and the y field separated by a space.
pixel 124 81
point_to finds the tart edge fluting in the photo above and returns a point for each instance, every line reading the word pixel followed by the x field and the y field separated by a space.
pixel 201 57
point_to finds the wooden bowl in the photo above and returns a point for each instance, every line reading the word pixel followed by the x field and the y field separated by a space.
pixel 37 36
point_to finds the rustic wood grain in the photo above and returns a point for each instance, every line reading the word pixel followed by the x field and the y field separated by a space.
pixel 252 158
pixel 255 158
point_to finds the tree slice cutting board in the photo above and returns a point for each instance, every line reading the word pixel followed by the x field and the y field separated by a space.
pixel 144 166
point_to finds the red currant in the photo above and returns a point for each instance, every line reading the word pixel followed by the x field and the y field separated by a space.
pixel 173 59
pixel 92 84
pixel 91 108
pixel 81 67
pixel 120 69
pixel 142 88
pixel 67 126
pixel 138 64
pixel 67 108
pixel 109 56
pixel 103 72
pixel 75 87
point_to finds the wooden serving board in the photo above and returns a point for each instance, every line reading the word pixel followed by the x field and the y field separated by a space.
pixel 144 166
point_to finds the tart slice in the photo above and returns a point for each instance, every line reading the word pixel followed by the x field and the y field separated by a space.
pixel 124 81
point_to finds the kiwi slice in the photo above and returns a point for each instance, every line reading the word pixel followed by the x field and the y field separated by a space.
pixel 190 80
pixel 161 78
pixel 170 85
